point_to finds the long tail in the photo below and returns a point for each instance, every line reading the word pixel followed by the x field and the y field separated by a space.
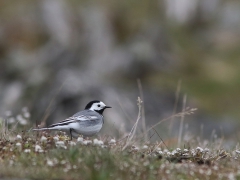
pixel 41 129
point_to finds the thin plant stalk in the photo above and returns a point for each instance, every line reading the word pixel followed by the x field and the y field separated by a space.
pixel 182 121
pixel 133 130
pixel 161 138
pixel 125 113
pixel 49 110
pixel 144 128
pixel 180 114
pixel 175 104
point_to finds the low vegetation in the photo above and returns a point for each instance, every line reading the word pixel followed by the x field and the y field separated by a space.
pixel 47 155
pixel 55 157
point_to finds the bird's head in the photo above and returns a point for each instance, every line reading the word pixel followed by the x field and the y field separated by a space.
pixel 97 106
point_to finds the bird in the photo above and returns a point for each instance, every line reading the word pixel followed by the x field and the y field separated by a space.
pixel 87 122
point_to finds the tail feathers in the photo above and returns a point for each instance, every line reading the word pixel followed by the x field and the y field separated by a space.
pixel 41 129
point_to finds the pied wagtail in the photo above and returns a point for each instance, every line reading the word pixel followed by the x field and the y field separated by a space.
pixel 87 122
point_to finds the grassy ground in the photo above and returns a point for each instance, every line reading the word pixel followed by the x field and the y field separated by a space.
pixel 55 157
pixel 46 155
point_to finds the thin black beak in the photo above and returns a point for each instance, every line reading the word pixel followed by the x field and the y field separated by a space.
pixel 107 107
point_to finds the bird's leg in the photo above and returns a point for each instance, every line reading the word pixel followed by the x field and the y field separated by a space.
pixel 71 133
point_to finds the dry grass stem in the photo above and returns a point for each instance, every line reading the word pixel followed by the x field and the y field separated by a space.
pixel 160 138
pixel 133 130
pixel 182 120
pixel 49 109
pixel 144 128
pixel 177 93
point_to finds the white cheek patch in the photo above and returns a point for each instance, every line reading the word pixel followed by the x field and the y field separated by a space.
pixel 95 106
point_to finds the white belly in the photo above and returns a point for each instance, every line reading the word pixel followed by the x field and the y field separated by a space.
pixel 89 130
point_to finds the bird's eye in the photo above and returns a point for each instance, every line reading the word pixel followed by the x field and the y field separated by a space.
pixel 98 105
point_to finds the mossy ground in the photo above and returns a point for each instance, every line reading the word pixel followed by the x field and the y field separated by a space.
pixel 55 157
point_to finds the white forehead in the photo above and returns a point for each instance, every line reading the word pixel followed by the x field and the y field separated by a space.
pixel 101 103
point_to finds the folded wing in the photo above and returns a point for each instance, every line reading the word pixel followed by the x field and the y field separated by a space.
pixel 74 119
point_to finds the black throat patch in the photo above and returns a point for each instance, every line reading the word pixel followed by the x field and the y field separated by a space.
pixel 99 111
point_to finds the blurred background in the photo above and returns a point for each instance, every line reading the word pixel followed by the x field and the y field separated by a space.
pixel 57 55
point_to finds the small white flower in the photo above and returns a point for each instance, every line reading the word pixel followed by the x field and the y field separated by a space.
pixel 165 151
pixel 19 137
pixel 50 162
pixel 89 141
pixel 86 142
pixel 38 148
pixel 208 172
pixel 199 149
pixel 21 120
pixel 178 150
pixel 67 168
pixel 206 150
pixel 63 162
pixel 11 120
pixel 26 115
pixel 60 144
pixel 43 139
pixel 18 144
pixel 167 171
pixel 71 143
pixel 100 142
pixel 97 142
pixel 112 141
pixel 160 152
pixel 56 138
pixel 27 150
pixel 8 113
pixel 174 152
pixel 186 150
pixel 216 168
pixel 145 147
pixel 135 148
pixel 231 176
pixel 193 152
pixel 237 151
pixel 80 140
